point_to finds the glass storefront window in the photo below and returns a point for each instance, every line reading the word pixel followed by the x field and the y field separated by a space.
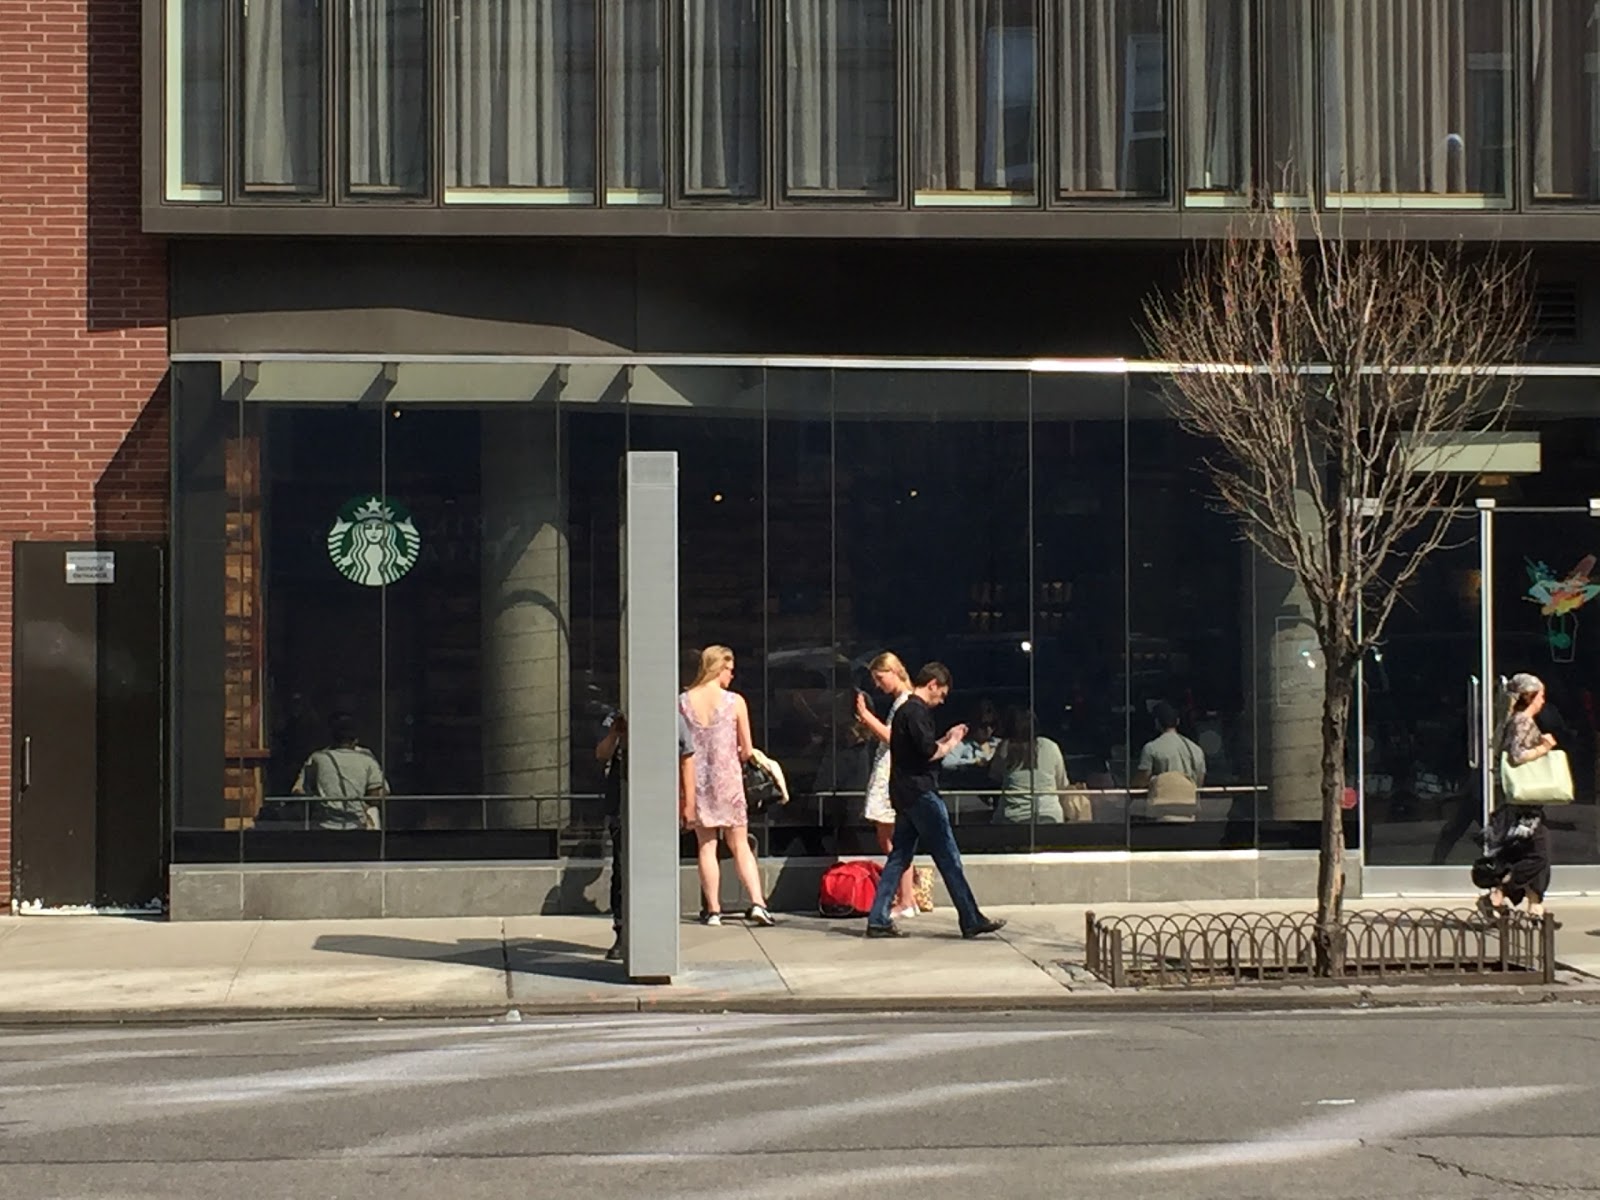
pixel 1417 98
pixel 720 98
pixel 1079 655
pixel 1113 115
pixel 520 126
pixel 839 82
pixel 195 53
pixel 444 573
pixel 1564 99
pixel 977 102
pixel 386 97
pixel 281 97
pixel 932 559
pixel 634 82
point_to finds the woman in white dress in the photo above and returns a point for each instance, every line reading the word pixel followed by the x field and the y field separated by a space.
pixel 892 679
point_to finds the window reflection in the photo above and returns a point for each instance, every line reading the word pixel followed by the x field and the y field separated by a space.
pixel 387 96
pixel 977 101
pixel 721 98
pixel 521 87
pixel 196 50
pixel 440 580
pixel 1113 115
pixel 282 96
pixel 1564 99
pixel 840 88
pixel 1429 122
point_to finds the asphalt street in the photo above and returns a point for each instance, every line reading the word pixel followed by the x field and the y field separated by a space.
pixel 1454 1103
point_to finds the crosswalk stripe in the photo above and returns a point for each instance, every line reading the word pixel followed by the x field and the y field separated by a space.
pixel 1384 1119
pixel 902 1047
pixel 429 1141
pixel 769 1129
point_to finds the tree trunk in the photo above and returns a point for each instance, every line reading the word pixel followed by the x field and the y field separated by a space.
pixel 1338 690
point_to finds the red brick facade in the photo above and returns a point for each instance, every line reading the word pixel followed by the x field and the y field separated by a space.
pixel 83 303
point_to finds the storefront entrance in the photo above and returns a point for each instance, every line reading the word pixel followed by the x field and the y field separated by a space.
pixel 1511 590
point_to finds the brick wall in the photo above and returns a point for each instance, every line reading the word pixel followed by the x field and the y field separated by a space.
pixel 83 412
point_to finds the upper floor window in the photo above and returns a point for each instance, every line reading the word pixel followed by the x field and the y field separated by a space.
pixel 977 101
pixel 1113 114
pixel 1564 99
pixel 839 92
pixel 521 91
pixel 722 115
pixel 281 97
pixel 895 103
pixel 1417 101
pixel 1249 100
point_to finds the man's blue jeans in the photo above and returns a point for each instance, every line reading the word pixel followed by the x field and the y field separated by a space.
pixel 925 824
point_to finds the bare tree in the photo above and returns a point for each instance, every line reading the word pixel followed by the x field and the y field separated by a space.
pixel 1332 376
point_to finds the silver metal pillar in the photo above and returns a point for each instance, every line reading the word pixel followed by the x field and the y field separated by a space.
pixel 649 699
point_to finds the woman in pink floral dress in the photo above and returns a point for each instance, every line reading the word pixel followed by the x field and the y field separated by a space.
pixel 720 722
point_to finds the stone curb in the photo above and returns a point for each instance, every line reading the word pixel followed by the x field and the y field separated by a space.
pixel 1098 1002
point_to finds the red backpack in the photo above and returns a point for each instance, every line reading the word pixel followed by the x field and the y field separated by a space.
pixel 847 889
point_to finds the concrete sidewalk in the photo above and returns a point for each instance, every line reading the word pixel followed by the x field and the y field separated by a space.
pixel 113 969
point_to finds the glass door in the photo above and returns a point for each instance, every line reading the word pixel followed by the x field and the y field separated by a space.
pixel 1424 722
pixel 1546 621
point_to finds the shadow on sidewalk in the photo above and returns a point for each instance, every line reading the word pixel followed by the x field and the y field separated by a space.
pixel 549 957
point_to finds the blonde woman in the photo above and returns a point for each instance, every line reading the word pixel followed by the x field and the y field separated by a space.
pixel 719 721
pixel 891 678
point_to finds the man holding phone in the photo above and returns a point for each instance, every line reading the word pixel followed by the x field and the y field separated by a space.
pixel 921 819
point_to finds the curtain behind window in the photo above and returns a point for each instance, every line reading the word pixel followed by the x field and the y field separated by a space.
pixel 1565 99
pixel 633 98
pixel 1415 96
pixel 1218 55
pixel 282 95
pixel 840 86
pixel 202 47
pixel 1113 118
pixel 388 93
pixel 977 96
pixel 722 97
pixel 523 93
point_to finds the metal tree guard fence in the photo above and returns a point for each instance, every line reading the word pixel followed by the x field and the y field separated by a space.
pixel 1389 946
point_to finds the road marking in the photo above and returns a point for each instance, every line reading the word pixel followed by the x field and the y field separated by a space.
pixel 1385 1119
pixel 707 1048
pixel 410 1145
pixel 907 1046
pixel 837 1183
pixel 766 1130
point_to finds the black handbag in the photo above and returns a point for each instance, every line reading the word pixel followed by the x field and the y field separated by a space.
pixel 760 789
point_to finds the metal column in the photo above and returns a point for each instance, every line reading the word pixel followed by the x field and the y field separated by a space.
pixel 649 698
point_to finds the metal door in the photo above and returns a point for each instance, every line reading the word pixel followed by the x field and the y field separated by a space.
pixel 87 727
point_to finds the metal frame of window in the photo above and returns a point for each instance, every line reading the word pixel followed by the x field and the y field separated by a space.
pixel 1049 216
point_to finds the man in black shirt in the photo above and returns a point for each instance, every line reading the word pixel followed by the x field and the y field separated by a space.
pixel 920 815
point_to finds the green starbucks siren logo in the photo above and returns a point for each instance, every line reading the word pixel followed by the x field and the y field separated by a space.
pixel 373 541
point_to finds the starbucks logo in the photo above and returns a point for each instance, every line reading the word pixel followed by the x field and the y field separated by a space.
pixel 373 541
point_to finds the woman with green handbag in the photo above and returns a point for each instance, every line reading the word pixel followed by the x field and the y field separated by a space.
pixel 1521 859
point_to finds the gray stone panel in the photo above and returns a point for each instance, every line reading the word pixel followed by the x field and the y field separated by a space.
pixel 205 894
pixel 1287 876
pixel 1080 882
pixel 1155 881
pixel 460 890
pixel 299 894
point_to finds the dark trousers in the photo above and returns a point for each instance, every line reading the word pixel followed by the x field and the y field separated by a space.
pixel 925 823
pixel 618 868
